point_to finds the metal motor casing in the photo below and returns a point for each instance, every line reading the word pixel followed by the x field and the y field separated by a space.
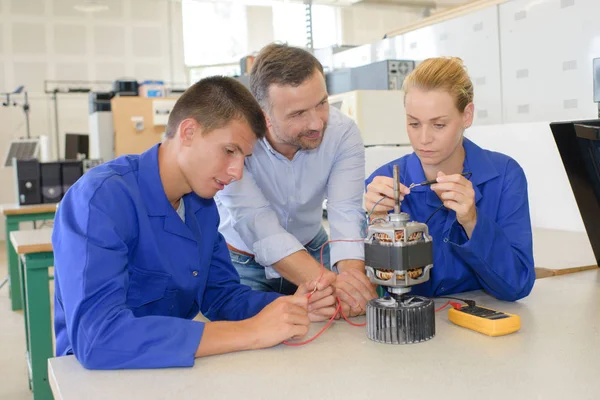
pixel 398 255
pixel 409 247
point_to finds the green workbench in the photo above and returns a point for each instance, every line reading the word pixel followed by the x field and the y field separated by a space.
pixel 15 214
pixel 34 250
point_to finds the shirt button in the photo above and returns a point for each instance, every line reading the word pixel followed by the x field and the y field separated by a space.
pixel 291 198
pixel 445 240
pixel 195 273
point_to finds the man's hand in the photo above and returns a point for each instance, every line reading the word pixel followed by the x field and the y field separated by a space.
pixel 321 303
pixel 299 268
pixel 353 287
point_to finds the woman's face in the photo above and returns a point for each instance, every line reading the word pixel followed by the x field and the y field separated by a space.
pixel 435 126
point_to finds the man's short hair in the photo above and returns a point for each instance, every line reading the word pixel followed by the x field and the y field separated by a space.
pixel 214 102
pixel 280 64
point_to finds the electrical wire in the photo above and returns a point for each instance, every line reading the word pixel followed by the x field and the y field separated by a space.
pixel 338 309
pixel 433 213
pixel 448 303
pixel 467 175
pixel 375 205
pixel 470 303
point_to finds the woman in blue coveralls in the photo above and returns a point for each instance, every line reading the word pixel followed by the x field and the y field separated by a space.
pixel 138 255
pixel 480 224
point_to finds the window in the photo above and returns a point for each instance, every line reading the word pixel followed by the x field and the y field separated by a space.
pixel 289 24
pixel 213 33
pixel 197 73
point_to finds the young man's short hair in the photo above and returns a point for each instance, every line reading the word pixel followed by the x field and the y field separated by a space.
pixel 214 102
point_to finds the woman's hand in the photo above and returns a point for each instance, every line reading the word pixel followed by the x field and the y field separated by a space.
pixel 456 192
pixel 379 187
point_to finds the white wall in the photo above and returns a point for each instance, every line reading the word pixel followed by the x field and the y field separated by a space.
pixel 531 63
pixel 547 51
pixel 552 204
pixel 49 40
pixel 530 60
pixel 260 27
pixel 363 24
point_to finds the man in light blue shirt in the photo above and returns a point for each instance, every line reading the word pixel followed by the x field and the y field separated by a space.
pixel 272 218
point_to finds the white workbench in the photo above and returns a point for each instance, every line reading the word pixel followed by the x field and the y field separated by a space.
pixel 555 355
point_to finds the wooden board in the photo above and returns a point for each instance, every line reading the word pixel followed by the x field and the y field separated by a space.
pixel 32 241
pixel 129 140
pixel 16 209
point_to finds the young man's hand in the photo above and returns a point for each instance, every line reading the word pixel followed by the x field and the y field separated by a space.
pixel 285 318
pixel 321 303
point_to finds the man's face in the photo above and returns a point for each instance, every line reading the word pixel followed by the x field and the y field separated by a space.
pixel 297 116
pixel 212 160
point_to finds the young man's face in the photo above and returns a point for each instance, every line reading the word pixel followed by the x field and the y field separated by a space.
pixel 297 116
pixel 209 161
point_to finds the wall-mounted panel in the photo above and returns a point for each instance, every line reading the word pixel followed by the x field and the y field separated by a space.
pixel 29 38
pixel 547 52
pixel 147 42
pixel 27 7
pixel 31 75
pixel 70 39
pixel 77 71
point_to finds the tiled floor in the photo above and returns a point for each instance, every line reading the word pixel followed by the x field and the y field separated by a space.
pixel 13 367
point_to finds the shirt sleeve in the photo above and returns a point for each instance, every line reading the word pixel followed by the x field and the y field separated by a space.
pixel 500 251
pixel 91 239
pixel 347 218
pixel 225 298
pixel 256 222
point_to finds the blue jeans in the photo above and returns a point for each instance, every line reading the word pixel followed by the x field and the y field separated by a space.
pixel 253 274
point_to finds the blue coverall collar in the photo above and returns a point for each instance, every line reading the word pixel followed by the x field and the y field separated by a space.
pixel 153 191
pixel 151 186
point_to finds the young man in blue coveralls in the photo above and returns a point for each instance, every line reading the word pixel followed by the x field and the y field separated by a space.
pixel 138 253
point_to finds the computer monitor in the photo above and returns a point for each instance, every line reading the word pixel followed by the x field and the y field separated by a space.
pixel 578 143
pixel 77 146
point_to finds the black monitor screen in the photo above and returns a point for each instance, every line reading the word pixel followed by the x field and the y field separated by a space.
pixel 77 146
pixel 578 143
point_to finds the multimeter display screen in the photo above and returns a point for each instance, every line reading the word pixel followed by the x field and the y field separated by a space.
pixel 483 312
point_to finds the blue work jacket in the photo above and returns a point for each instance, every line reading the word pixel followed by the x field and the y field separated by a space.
pixel 130 275
pixel 499 256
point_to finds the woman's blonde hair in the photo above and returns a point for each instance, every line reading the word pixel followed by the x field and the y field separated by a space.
pixel 443 73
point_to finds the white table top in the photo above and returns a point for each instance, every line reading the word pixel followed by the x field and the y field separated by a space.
pixel 555 355
pixel 32 241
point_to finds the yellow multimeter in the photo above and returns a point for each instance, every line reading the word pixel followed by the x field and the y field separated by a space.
pixel 485 320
